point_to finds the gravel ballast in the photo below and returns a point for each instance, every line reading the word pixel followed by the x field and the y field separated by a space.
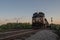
pixel 44 35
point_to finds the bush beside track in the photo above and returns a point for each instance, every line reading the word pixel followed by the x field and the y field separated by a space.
pixel 55 27
pixel 9 26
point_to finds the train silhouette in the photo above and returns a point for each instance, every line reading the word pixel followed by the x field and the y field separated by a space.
pixel 39 21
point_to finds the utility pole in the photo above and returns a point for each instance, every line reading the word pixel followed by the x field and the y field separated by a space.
pixel 16 20
pixel 51 20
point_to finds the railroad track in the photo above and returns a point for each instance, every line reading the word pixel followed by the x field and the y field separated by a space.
pixel 22 34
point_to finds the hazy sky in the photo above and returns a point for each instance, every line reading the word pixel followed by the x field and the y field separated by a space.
pixel 24 9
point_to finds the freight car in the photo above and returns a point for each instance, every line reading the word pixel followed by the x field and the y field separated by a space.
pixel 39 21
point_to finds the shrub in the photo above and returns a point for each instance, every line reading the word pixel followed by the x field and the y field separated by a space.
pixel 15 26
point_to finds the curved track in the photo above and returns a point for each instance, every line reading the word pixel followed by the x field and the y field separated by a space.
pixel 22 34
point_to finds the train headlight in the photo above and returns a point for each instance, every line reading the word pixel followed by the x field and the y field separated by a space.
pixel 33 21
pixel 39 20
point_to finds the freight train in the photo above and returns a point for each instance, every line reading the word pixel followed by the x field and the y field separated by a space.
pixel 39 21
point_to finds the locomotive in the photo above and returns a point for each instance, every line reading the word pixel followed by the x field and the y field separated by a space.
pixel 39 21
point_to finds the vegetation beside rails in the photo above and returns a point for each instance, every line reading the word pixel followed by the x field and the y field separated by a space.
pixel 55 27
pixel 11 26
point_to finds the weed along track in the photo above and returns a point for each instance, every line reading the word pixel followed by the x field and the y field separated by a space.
pixel 21 34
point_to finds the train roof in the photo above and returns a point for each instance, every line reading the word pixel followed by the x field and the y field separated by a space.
pixel 38 14
pixel 41 14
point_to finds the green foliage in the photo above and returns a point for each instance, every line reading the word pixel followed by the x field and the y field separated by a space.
pixel 55 27
pixel 15 26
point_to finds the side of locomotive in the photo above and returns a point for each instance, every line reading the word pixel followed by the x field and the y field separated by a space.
pixel 39 20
